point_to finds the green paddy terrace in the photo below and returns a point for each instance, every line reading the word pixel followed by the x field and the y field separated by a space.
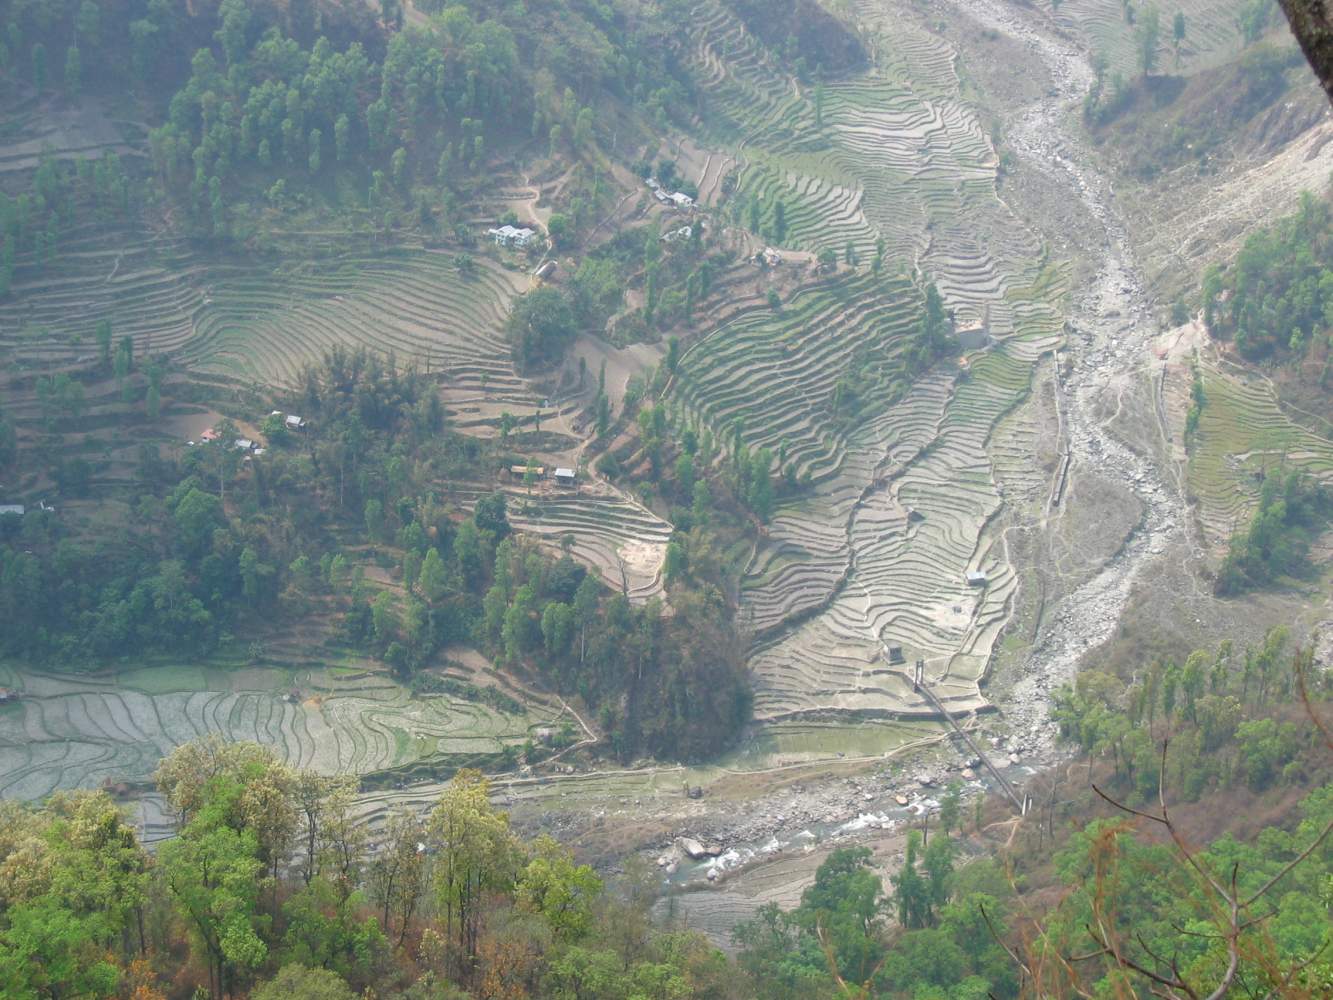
pixel 68 730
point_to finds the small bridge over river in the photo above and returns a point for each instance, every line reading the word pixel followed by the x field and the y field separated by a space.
pixel 919 684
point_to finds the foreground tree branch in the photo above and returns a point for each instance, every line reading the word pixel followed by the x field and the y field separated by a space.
pixel 1234 912
pixel 1312 24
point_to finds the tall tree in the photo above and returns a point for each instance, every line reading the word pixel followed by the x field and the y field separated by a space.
pixel 475 854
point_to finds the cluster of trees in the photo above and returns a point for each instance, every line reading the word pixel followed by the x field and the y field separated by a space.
pixel 673 686
pixel 1145 910
pixel 1276 300
pixel 260 103
pixel 1224 711
pixel 1293 508
pixel 273 884
pixel 215 536
pixel 674 277
pixel 1144 915
pixel 927 938
pixel 146 45
pixel 169 579
pixel 60 195
pixel 271 102
pixel 541 328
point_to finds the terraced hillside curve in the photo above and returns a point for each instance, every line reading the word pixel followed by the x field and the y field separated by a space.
pixel 903 495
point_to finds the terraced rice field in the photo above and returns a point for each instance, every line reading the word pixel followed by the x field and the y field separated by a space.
pixel 149 288
pixel 904 497
pixel 1242 433
pixel 613 535
pixel 77 730
pixel 263 321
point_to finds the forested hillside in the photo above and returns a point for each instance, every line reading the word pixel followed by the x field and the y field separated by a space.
pixel 273 108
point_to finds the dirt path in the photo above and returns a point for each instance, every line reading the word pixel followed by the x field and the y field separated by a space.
pixel 1111 334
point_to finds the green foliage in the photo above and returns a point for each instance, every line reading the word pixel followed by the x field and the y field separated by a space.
pixel 1279 291
pixel 841 925
pixel 541 327
pixel 1216 709
pixel 1147 35
pixel 211 871
pixel 1253 19
pixel 1293 507
pixel 1197 401
pixel 296 982
pixel 251 91
pixel 66 908
pixel 1143 894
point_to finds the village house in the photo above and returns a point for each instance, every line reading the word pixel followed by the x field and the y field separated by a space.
pixel 682 201
pixel 975 578
pixel 566 477
pixel 294 423
pixel 15 509
pixel 511 236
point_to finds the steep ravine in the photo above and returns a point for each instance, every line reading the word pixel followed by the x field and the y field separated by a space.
pixel 1108 349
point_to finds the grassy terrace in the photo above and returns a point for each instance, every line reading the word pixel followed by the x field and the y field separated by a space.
pixel 265 324
pixel 75 730
pixel 1211 31
pixel 777 373
pixel 1242 433
pixel 150 289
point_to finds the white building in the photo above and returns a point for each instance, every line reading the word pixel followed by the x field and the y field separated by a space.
pixel 510 236
pixel 682 201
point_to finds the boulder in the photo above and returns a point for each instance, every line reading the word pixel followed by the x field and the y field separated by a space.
pixel 696 851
